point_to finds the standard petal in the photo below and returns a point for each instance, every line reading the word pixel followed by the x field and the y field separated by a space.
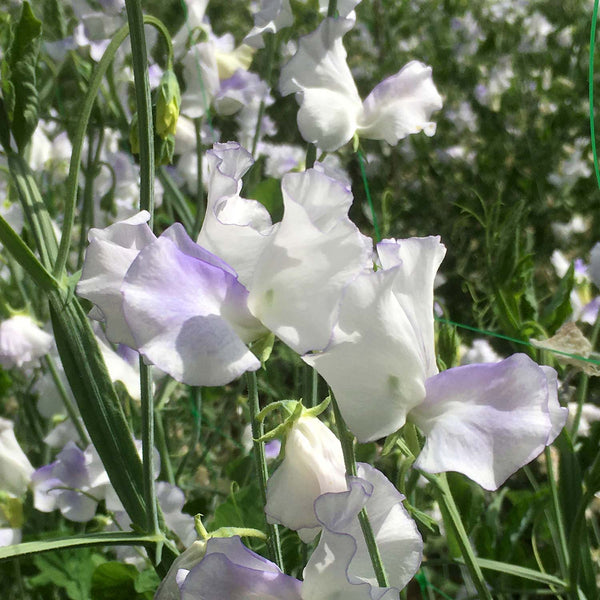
pixel 230 570
pixel 236 229
pixel 187 313
pixel 400 105
pixel 488 420
pixel 273 16
pixel 329 102
pixel 341 561
pixel 313 464
pixel 317 251
pixel 109 255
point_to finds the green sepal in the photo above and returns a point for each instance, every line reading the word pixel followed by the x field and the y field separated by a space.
pixel 227 532
pixel 283 429
pixel 418 515
pixel 263 347
pixel 315 411
pixel 164 149
pixel 11 510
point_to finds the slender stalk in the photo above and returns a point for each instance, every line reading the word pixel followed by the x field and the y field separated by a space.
pixel 261 464
pixel 271 42
pixel 176 197
pixel 332 8
pixel 347 441
pixel 196 405
pixel 163 448
pixel 69 406
pixel 84 117
pixel 363 173
pixel 200 206
pixel 591 89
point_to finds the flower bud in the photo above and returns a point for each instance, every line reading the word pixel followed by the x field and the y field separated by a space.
pixel 168 102
pixel 313 465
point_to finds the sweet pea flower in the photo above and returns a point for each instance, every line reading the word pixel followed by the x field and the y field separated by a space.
pixel 22 342
pixel 340 566
pixel 15 468
pixel 314 247
pixel 382 349
pixel 331 111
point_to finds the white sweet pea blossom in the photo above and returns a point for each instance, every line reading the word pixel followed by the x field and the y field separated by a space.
pixel 331 110
pixel 483 420
pixel 313 464
pixel 22 342
pixel 315 247
pixel 15 468
pixel 340 566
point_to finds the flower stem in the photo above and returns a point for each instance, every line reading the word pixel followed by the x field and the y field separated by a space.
pixel 261 464
pixel 137 37
pixel 347 441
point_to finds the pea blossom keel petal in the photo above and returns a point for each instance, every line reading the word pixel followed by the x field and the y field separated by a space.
pixel 340 565
pixel 188 313
pixel 230 570
pixel 488 420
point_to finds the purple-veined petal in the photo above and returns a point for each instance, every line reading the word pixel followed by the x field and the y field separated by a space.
pixel 400 105
pixel 107 258
pixel 488 420
pixel 329 102
pixel 341 562
pixel 187 313
pixel 236 229
pixel 381 352
pixel 313 464
pixel 232 571
pixel 315 253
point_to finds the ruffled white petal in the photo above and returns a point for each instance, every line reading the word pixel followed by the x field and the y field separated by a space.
pixel 273 16
pixel 236 229
pixel 381 352
pixel 107 258
pixel 488 420
pixel 22 342
pixel 400 105
pixel 315 253
pixel 329 102
pixel 340 565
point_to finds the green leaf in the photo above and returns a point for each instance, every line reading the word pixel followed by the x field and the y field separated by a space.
pixel 114 581
pixel 96 539
pixel 147 582
pixel 20 91
pixel 521 572
pixel 71 571
pixel 559 308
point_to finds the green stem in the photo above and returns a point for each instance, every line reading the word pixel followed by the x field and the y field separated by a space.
pixel 148 447
pixel 200 205
pixel 163 448
pixel 178 201
pixel 557 514
pixel 311 156
pixel 84 117
pixel 363 173
pixel 347 441
pixel 261 464
pixel 332 8
pixel 447 504
pixel 271 42
pixel 69 406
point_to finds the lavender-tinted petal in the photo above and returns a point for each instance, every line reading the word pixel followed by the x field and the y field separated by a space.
pixel 180 310
pixel 488 420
